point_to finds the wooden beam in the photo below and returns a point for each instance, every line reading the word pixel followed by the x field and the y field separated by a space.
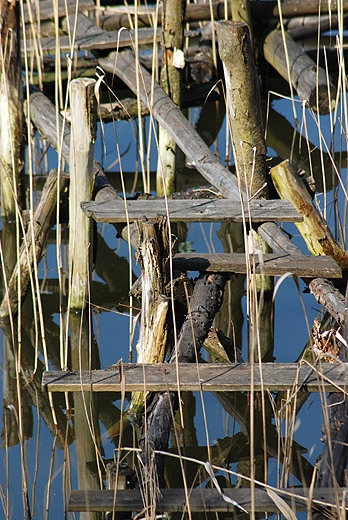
pixel 63 8
pixel 193 210
pixel 207 500
pixel 102 41
pixel 271 264
pixel 216 377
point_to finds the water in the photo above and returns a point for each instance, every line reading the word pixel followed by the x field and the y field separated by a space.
pixel 50 471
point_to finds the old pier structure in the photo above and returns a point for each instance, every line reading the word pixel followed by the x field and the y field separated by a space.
pixel 177 313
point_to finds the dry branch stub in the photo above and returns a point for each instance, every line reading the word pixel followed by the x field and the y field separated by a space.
pixel 296 67
pixel 244 104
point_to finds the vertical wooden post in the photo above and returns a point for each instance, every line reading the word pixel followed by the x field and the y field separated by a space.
pixel 171 72
pixel 243 98
pixel 11 109
pixel 83 129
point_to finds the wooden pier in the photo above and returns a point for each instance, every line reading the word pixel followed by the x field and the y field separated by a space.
pixel 296 378
pixel 263 215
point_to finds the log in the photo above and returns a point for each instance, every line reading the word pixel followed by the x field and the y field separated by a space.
pixel 173 62
pixel 291 8
pixel 307 26
pixel 280 242
pixel 43 116
pixel 330 298
pixel 170 117
pixel 83 132
pixel 33 243
pixel 332 464
pixel 204 303
pixel 313 229
pixel 244 105
pixel 297 68
pixel 152 343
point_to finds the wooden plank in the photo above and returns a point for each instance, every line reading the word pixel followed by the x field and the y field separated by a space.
pixel 216 377
pixel 271 264
pixel 207 500
pixel 193 210
pixel 103 41
pixel 63 7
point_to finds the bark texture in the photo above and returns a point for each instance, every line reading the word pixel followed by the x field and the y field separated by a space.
pixel 244 104
pixel 157 420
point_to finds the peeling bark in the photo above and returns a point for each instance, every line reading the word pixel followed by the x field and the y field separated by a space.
pixel 157 420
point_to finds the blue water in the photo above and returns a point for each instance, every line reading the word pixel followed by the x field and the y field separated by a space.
pixel 111 331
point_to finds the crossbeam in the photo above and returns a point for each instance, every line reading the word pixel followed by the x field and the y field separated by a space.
pixel 205 500
pixel 206 377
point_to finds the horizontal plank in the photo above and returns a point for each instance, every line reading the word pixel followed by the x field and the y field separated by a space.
pixel 216 377
pixel 271 264
pixel 61 7
pixel 201 500
pixel 192 210
pixel 103 41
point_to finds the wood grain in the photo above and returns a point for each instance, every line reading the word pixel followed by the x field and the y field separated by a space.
pixel 195 210
pixel 216 377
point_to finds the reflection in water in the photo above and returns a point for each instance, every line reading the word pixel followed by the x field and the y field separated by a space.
pixel 54 443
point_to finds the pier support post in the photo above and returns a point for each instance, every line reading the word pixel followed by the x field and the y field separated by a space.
pixel 244 105
pixel 171 72
pixel 83 130
pixel 11 109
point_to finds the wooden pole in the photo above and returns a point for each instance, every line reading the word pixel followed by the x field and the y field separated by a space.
pixel 171 73
pixel 11 109
pixel 313 229
pixel 243 99
pixel 83 129
pixel 297 68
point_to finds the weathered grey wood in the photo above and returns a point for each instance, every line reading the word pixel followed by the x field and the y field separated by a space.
pixel 271 264
pixel 172 500
pixel 330 297
pixel 311 82
pixel 63 7
pixel 102 41
pixel 170 116
pixel 199 210
pixel 83 134
pixel 217 377
pixel 11 108
pixel 291 8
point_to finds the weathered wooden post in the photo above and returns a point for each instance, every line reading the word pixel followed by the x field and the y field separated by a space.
pixel 245 117
pixel 243 99
pixel 172 64
pixel 83 130
pixel 11 109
